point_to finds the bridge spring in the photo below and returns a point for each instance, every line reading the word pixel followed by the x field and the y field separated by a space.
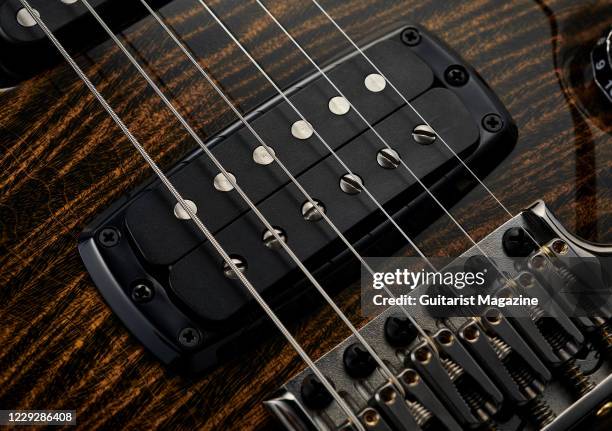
pixel 559 340
pixel 421 415
pixel 501 349
pixel 536 408
pixel 605 332
pixel 540 412
pixel 453 369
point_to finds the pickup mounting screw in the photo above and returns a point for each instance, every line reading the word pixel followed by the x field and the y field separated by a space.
pixel 109 237
pixel 399 331
pixel 517 243
pixel 492 123
pixel 189 337
pixel 358 362
pixel 314 394
pixel 411 36
pixel 423 134
pixel 456 75
pixel 142 292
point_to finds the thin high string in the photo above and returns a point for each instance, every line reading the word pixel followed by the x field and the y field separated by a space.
pixel 365 56
pixel 271 152
pixel 369 125
pixel 284 96
pixel 341 402
pixel 329 148
pixel 472 173
pixel 243 195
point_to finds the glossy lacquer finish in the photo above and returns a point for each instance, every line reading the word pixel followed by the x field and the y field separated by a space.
pixel 62 161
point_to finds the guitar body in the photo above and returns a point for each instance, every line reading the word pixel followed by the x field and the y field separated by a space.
pixel 63 161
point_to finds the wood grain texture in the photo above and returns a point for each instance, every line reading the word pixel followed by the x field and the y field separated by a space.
pixel 62 161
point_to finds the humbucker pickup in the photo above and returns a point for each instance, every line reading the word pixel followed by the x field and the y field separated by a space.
pixel 172 290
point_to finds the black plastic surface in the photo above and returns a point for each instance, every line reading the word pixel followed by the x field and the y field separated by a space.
pixel 190 290
pixel 26 51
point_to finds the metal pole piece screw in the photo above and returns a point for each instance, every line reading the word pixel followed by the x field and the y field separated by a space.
pixel 411 36
pixel 388 158
pixel 109 237
pixel 312 212
pixel 240 264
pixel 424 135
pixel 351 184
pixel 270 240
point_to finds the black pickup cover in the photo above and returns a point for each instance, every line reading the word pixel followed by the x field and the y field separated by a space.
pixel 171 256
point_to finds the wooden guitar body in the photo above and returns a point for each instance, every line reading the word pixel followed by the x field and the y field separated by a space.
pixel 63 161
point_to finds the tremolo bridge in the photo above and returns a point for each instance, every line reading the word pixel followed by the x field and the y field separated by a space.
pixel 175 293
pixel 516 368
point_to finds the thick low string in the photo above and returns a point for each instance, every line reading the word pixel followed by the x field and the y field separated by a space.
pixel 319 137
pixel 244 196
pixel 271 152
pixel 162 177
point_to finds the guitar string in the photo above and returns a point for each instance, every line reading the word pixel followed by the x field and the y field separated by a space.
pixel 271 152
pixel 371 127
pixel 439 137
pixel 411 106
pixel 329 148
pixel 385 369
pixel 323 141
pixel 401 95
pixel 217 246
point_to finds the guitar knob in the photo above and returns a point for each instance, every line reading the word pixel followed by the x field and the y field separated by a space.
pixel 601 59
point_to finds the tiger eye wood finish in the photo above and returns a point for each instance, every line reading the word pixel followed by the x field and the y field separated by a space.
pixel 62 161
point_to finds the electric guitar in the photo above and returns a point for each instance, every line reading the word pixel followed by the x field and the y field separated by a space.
pixel 207 208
